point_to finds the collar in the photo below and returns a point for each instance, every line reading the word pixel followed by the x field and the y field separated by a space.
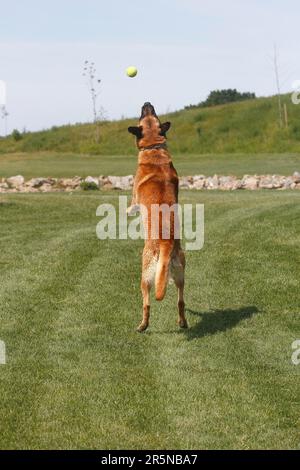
pixel 154 146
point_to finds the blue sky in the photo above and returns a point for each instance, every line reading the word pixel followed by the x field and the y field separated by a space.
pixel 182 48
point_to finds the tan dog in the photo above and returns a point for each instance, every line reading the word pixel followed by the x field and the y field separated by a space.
pixel 156 183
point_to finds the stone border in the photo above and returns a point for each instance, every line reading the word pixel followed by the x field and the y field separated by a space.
pixel 17 184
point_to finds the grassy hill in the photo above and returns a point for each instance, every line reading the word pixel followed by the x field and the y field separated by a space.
pixel 243 127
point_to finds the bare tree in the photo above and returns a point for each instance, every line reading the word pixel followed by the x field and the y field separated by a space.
pixel 94 87
pixel 278 85
pixel 283 74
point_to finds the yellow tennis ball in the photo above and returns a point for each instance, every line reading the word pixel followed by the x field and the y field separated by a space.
pixel 131 71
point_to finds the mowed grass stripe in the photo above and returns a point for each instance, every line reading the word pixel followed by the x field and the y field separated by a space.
pixel 63 165
pixel 57 337
pixel 33 306
pixel 105 385
pixel 256 383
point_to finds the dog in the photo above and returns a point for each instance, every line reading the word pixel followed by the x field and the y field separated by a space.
pixel 156 184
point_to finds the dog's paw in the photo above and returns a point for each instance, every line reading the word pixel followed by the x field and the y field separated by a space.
pixel 182 323
pixel 133 210
pixel 142 327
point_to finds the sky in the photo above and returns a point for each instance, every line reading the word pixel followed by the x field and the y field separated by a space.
pixel 183 49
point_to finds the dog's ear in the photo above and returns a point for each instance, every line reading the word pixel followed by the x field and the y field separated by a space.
pixel 136 130
pixel 165 127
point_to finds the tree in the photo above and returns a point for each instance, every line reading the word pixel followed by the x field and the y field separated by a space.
pixel 217 97
pixel 278 86
pixel 16 135
pixel 94 87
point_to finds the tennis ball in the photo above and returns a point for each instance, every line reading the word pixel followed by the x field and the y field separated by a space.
pixel 131 71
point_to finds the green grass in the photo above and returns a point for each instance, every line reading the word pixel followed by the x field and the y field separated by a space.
pixel 237 138
pixel 243 127
pixel 65 165
pixel 78 376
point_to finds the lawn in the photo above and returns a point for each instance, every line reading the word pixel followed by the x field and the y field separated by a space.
pixel 69 164
pixel 79 376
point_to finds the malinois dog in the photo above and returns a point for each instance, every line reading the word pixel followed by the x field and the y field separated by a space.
pixel 156 184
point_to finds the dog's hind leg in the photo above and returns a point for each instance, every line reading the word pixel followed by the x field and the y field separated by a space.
pixel 148 275
pixel 177 273
pixel 145 288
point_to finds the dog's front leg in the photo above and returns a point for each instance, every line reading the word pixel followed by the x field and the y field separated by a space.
pixel 133 208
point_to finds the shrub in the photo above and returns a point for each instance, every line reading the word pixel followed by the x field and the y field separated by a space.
pixel 217 97
pixel 88 186
pixel 16 135
pixel 199 132
pixel 296 131
pixel 199 117
pixel 226 96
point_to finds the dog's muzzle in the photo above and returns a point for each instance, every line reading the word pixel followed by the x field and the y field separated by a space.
pixel 148 110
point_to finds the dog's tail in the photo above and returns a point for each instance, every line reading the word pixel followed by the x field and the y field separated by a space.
pixel 162 272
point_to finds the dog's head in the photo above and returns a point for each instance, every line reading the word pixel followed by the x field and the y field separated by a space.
pixel 150 130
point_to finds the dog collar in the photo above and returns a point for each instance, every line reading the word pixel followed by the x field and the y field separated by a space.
pixel 154 146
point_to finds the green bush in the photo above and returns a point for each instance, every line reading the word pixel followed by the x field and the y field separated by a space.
pixel 16 135
pixel 217 97
pixel 88 186
pixel 296 131
pixel 199 117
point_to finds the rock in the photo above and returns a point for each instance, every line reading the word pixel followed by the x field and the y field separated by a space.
pixel 29 189
pixel 107 186
pixel 46 188
pixel 296 177
pixel 289 183
pixel 185 182
pixel 101 180
pixel 127 181
pixel 15 181
pixel 229 183
pixel 199 184
pixel 38 182
pixel 115 182
pixel 70 182
pixel 277 181
pixel 212 182
pixel 121 182
pixel 91 179
pixel 249 182
pixel 265 182
pixel 271 182
pixel 198 177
